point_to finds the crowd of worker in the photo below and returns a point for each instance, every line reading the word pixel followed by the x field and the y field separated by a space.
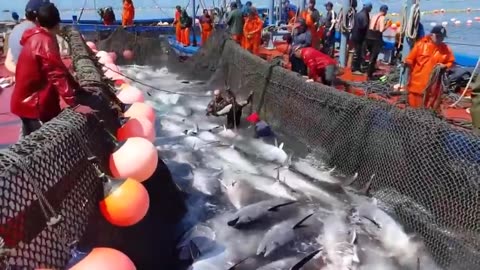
pixel 41 76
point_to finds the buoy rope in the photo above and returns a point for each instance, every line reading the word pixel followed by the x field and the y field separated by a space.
pixel 48 211
pixel 411 21
pixel 153 87
pixel 347 22
pixel 438 75
pixel 468 84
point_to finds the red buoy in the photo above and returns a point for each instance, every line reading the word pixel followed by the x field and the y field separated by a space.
pixel 136 127
pixel 128 55
pixel 140 109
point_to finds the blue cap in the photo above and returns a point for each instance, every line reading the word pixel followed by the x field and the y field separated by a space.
pixel 384 8
pixel 368 4
pixel 15 16
pixel 34 5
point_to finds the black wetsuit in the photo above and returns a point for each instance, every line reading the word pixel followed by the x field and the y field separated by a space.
pixel 374 43
pixel 359 32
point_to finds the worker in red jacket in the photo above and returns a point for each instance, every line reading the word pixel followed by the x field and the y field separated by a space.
pixel 41 76
pixel 320 65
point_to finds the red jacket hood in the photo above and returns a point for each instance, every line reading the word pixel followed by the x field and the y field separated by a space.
pixel 31 32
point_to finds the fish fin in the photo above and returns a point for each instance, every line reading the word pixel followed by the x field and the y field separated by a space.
pixel 233 222
pixel 288 161
pixel 281 146
pixel 276 142
pixel 222 183
pixel 299 224
pixel 276 207
pixel 373 221
pixel 355 258
pixel 304 260
pixel 233 267
pixel 194 250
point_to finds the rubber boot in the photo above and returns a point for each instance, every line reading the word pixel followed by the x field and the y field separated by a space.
pixel 475 109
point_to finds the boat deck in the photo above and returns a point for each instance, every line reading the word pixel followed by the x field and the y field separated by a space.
pixel 458 115
pixel 10 125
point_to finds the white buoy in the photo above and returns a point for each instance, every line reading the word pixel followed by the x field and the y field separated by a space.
pixel 458 22
pixel 444 24
pixel 453 19
pixel 442 10
pixel 433 24
pixel 469 22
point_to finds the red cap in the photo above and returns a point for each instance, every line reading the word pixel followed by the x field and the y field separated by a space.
pixel 253 118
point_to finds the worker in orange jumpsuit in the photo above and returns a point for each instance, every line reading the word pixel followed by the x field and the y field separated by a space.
pixel 425 55
pixel 252 31
pixel 312 17
pixel 128 13
pixel 186 23
pixel 206 23
pixel 176 22
pixel 321 67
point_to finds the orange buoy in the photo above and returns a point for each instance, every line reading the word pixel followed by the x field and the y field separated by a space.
pixel 113 55
pixel 135 157
pixel 126 202
pixel 136 127
pixel 128 55
pixel 140 109
pixel 91 45
pixel 131 95
pixel 105 259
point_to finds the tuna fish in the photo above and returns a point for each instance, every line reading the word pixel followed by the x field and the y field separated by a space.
pixel 256 211
pixel 279 235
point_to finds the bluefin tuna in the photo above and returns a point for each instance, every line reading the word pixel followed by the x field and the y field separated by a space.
pixel 256 211
pixel 290 263
pixel 280 235
pixel 206 180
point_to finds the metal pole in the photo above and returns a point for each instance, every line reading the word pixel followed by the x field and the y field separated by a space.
pixel 270 12
pixel 344 37
pixel 406 45
pixel 304 5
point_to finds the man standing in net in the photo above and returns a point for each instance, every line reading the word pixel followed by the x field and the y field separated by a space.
pixel 235 23
pixel 41 76
pixel 225 103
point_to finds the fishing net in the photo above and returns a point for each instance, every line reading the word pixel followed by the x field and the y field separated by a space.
pixel 50 188
pixel 425 169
